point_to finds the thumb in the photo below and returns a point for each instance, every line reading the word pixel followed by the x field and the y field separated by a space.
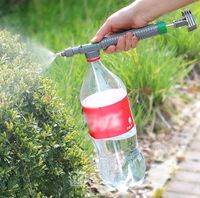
pixel 104 30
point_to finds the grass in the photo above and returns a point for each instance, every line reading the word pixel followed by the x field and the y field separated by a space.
pixel 148 72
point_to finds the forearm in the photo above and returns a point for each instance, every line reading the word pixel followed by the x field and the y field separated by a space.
pixel 152 9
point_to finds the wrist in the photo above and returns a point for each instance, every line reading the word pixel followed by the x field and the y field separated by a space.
pixel 138 14
pixel 142 11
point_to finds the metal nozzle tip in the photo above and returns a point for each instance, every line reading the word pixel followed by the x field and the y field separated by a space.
pixel 66 53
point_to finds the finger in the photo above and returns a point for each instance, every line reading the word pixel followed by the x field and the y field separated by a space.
pixel 111 49
pixel 104 30
pixel 128 41
pixel 134 41
pixel 121 44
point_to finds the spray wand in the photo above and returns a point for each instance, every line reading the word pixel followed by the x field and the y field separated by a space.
pixel 91 50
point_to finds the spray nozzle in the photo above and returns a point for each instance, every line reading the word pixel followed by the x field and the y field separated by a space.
pixel 187 19
pixel 92 49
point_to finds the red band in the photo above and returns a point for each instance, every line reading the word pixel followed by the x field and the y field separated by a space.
pixel 93 59
pixel 109 121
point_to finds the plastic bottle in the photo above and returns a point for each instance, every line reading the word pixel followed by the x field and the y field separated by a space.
pixel 111 127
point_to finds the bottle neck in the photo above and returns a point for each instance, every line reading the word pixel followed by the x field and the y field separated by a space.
pixel 92 60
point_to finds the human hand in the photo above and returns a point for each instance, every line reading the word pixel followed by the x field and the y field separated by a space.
pixel 126 18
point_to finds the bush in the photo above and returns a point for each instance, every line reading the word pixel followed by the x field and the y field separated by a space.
pixel 39 151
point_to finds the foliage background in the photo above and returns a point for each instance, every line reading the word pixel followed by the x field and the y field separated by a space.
pixel 150 72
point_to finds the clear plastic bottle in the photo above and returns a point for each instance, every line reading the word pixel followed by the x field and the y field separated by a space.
pixel 111 126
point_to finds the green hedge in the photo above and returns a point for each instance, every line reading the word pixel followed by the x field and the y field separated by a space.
pixel 39 151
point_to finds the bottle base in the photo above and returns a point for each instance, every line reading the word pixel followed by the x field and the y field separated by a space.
pixel 123 188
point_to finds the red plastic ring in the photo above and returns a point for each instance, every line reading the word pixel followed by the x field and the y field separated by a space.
pixel 93 59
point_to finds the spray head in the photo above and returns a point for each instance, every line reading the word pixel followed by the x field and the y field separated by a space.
pixel 91 50
pixel 187 20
